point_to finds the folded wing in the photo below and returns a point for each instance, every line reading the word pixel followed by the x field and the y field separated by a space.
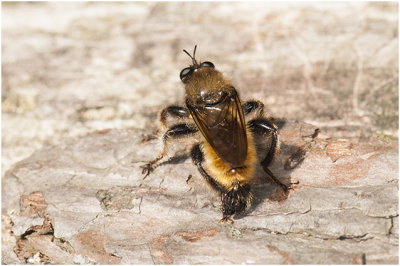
pixel 223 126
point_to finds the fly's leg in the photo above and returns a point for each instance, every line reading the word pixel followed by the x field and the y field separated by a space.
pixel 173 110
pixel 263 126
pixel 175 132
pixel 253 106
pixel 235 200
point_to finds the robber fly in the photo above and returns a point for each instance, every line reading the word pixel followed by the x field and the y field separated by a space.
pixel 227 143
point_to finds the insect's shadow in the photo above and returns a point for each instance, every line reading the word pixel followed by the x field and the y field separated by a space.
pixel 177 159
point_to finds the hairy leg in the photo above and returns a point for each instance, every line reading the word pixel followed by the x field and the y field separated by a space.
pixel 176 131
pixel 263 126
pixel 173 110
pixel 253 106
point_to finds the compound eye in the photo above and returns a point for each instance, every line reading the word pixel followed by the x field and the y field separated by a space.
pixel 186 72
pixel 207 64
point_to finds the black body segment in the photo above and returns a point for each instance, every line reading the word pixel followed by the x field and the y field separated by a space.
pixel 235 200
pixel 223 126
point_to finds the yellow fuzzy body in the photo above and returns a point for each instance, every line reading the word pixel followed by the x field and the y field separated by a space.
pixel 222 172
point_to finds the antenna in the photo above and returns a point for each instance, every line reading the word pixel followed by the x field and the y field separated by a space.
pixel 193 57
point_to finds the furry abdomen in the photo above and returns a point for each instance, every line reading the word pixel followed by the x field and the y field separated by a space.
pixel 222 172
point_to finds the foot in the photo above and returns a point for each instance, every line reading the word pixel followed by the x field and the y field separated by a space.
pixel 148 138
pixel 147 169
pixel 226 219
